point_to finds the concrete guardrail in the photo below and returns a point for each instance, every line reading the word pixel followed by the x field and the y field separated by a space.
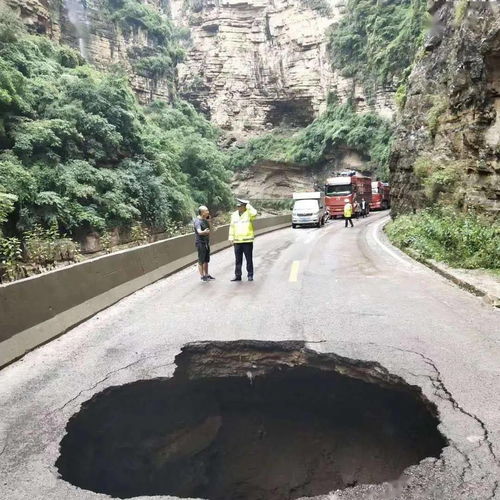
pixel 37 309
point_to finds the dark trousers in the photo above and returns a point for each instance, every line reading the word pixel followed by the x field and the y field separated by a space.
pixel 245 249
pixel 348 219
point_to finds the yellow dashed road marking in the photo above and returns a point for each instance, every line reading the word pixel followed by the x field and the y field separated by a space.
pixel 294 271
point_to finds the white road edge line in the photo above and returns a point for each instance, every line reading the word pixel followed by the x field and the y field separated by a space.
pixel 385 247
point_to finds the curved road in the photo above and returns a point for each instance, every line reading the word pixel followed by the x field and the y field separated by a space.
pixel 346 291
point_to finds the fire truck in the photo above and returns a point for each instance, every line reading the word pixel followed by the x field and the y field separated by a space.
pixel 381 196
pixel 347 186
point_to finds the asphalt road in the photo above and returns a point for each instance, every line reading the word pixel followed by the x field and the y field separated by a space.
pixel 345 291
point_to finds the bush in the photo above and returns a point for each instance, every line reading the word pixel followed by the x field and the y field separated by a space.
pixel 77 150
pixel 273 147
pixel 6 205
pixel 460 11
pixel 276 206
pixel 376 42
pixel 441 179
pixel 45 247
pixel 158 59
pixel 322 6
pixel 340 125
pixel 10 258
pixel 463 240
pixel 439 106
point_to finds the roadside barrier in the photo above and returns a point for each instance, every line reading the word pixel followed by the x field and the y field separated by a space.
pixel 37 309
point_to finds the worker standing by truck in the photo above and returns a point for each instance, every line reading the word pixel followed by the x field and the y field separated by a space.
pixel 348 213
pixel 241 234
pixel 364 208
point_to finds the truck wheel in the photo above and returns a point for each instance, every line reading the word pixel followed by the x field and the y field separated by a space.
pixel 385 205
pixel 294 226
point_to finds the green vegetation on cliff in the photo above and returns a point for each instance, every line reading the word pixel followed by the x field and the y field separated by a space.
pixel 339 126
pixel 464 240
pixel 376 42
pixel 157 59
pixel 76 149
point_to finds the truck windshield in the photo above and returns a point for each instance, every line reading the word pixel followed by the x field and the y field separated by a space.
pixel 306 205
pixel 374 190
pixel 338 190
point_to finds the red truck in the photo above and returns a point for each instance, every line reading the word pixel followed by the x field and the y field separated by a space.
pixel 347 186
pixel 381 196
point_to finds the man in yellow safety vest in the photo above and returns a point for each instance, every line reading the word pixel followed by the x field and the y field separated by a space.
pixel 348 212
pixel 241 235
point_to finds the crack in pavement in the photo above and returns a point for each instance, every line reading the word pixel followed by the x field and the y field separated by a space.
pixel 6 442
pixel 496 486
pixel 438 385
pixel 108 375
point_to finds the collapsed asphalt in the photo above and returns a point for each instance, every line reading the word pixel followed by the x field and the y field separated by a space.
pixel 350 294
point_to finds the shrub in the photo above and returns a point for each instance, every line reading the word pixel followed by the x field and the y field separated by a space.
pixel 139 234
pixel 322 6
pixel 401 95
pixel 10 257
pixel 106 242
pixel 6 205
pixel 440 105
pixel 45 247
pixel 340 125
pixel 376 42
pixel 77 149
pixel 460 10
pixel 440 179
pixel 460 239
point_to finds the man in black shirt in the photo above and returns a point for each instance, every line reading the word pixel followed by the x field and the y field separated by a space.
pixel 202 241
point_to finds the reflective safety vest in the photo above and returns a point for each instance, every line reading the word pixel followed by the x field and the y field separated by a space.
pixel 347 210
pixel 241 226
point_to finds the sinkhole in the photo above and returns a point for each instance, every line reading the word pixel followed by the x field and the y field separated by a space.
pixel 250 420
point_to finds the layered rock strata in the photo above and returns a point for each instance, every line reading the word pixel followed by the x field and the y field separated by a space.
pixel 451 120
pixel 257 65
pixel 85 26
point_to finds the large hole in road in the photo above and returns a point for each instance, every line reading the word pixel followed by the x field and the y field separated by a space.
pixel 250 420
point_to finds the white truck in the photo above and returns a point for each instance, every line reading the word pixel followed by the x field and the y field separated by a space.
pixel 309 208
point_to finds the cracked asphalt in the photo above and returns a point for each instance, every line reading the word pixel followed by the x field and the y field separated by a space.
pixel 350 293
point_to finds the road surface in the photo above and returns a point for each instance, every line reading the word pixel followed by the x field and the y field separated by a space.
pixel 345 291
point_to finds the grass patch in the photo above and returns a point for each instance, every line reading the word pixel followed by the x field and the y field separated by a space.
pixel 463 240
pixel 460 11
pixel 340 125
pixel 439 107
pixel 377 42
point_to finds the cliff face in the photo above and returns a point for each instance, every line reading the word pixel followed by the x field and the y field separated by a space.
pixel 84 26
pixel 255 65
pixel 251 65
pixel 448 138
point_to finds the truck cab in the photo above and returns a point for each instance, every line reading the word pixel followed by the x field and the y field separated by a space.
pixel 347 186
pixel 309 209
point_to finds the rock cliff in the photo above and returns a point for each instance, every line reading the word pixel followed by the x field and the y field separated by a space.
pixel 257 65
pixel 251 65
pixel 85 26
pixel 448 138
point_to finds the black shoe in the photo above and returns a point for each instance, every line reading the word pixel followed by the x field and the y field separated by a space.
pixel 250 278
pixel 236 278
pixel 204 278
pixel 209 278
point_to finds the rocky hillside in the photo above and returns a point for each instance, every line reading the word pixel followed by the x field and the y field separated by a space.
pixel 448 139
pixel 256 65
pixel 251 66
pixel 137 36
